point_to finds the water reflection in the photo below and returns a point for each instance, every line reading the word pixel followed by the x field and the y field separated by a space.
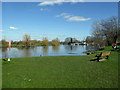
pixel 75 48
pixel 71 47
pixel 46 51
pixel 4 52
pixel 55 48
pixel 26 52
pixel 91 48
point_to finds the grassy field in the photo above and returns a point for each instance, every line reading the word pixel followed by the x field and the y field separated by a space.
pixel 61 72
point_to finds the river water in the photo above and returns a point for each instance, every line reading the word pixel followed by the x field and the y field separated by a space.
pixel 60 50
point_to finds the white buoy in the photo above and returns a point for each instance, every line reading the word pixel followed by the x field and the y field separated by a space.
pixel 8 59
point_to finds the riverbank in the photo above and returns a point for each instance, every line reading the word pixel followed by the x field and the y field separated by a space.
pixel 21 46
pixel 61 72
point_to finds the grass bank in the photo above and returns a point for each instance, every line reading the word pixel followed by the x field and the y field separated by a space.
pixel 107 48
pixel 61 72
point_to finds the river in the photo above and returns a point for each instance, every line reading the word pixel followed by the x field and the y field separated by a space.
pixel 60 50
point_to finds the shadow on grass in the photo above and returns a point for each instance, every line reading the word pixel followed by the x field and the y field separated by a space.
pixel 93 60
pixel 4 59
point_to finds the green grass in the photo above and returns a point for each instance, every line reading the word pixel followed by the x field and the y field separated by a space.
pixel 61 72
pixel 106 48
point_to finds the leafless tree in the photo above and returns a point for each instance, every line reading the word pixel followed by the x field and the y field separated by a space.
pixel 106 31
pixel 55 42
pixel 26 39
pixel 45 41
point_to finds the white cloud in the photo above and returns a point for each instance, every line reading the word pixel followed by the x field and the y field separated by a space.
pixel 43 9
pixel 62 14
pixel 78 18
pixel 13 28
pixel 75 1
pixel 58 2
pixel 67 16
pixel 49 3
pixel 70 17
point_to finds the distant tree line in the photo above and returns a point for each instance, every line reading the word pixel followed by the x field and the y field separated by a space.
pixel 105 32
pixel 27 42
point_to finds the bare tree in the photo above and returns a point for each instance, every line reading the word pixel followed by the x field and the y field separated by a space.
pixel 4 42
pixel 90 40
pixel 110 29
pixel 26 39
pixel 97 34
pixel 45 41
pixel 55 42
pixel 106 31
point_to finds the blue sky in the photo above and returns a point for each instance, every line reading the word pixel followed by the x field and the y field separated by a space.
pixel 53 20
